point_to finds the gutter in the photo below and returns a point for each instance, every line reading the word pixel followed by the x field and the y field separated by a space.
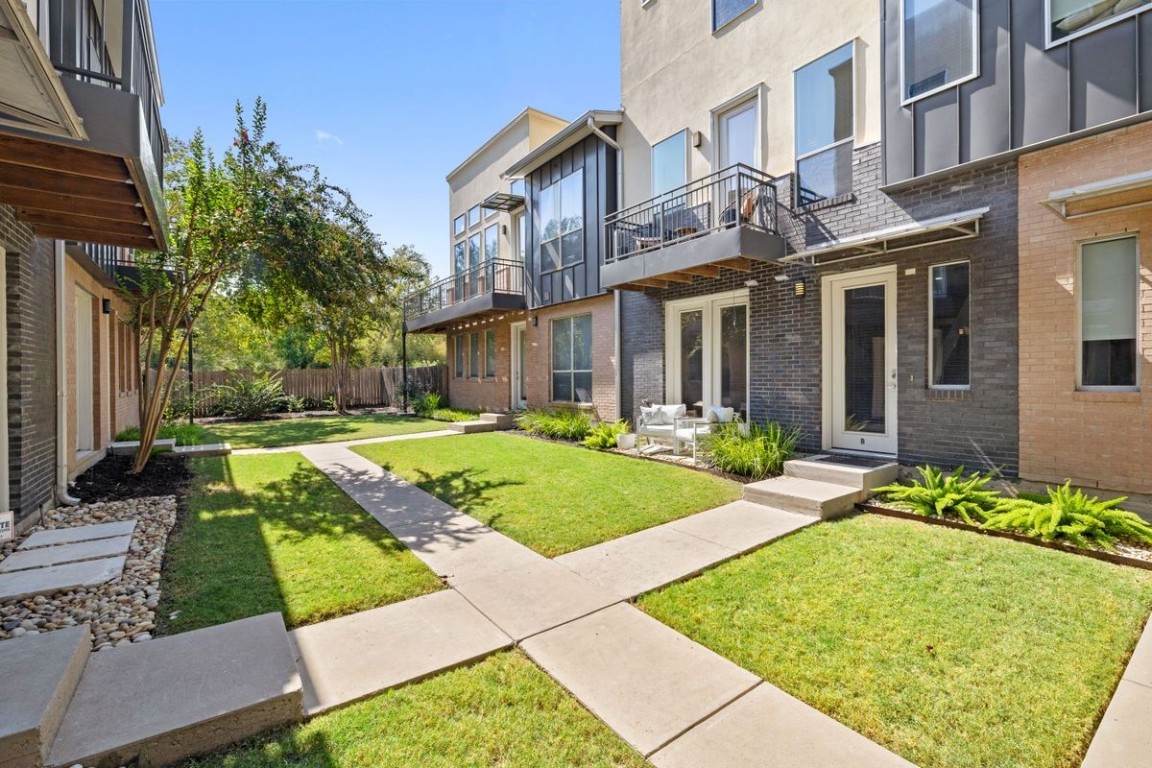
pixel 62 494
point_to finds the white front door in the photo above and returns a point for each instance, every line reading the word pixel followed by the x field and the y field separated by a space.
pixel 706 352
pixel 85 386
pixel 860 385
pixel 519 378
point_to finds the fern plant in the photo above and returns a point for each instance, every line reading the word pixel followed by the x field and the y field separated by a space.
pixel 603 435
pixel 1074 517
pixel 938 494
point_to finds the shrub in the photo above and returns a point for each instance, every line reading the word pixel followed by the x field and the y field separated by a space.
pixel 1074 517
pixel 179 407
pixel 604 434
pixel 185 434
pixel 294 404
pixel 941 495
pixel 750 451
pixel 558 425
pixel 250 398
pixel 425 403
pixel 451 414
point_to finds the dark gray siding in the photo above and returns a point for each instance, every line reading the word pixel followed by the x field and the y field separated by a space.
pixel 1025 93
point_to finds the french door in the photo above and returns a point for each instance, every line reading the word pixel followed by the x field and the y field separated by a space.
pixel 706 352
pixel 860 386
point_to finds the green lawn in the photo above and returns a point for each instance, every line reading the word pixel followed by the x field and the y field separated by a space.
pixel 503 712
pixel 553 498
pixel 272 533
pixel 949 648
pixel 274 433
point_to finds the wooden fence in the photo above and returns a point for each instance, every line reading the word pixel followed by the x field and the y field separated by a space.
pixel 368 386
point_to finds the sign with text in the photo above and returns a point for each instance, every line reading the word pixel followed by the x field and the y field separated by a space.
pixel 6 526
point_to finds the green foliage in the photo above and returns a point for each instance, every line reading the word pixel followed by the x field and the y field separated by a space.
pixel 453 414
pixel 1074 517
pixel 604 434
pixel 940 495
pixel 424 403
pixel 557 425
pixel 754 451
pixel 251 397
pixel 185 434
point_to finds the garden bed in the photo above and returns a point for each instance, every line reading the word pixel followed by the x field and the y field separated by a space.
pixel 109 480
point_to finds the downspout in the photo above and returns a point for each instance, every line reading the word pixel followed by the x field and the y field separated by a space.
pixel 62 494
pixel 6 494
pixel 617 304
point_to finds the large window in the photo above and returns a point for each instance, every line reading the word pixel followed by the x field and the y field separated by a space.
pixel 458 345
pixel 939 43
pixel 492 243
pixel 562 222
pixel 490 354
pixel 1070 18
pixel 951 331
pixel 670 163
pixel 1109 281
pixel 572 359
pixel 724 11
pixel 737 135
pixel 825 117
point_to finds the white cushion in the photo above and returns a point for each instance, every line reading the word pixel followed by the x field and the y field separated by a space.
pixel 661 414
pixel 719 415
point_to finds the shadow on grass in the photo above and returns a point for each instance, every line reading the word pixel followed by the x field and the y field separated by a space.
pixel 287 746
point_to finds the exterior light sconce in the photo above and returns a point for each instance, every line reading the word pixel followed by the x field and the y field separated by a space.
pixel 535 320
pixel 798 288
pixel 504 229
pixel 781 278
pixel 106 306
pixel 697 139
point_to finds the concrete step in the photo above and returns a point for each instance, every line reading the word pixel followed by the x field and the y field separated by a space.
pixel 40 674
pixel 129 447
pixel 164 700
pixel 501 420
pixel 807 497
pixel 203 451
pixel 471 427
pixel 861 474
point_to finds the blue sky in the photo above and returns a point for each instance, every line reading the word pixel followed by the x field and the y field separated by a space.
pixel 386 96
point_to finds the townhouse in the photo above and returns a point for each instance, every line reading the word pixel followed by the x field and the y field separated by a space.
pixel 81 166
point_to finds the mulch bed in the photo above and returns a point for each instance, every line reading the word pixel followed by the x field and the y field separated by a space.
pixel 108 479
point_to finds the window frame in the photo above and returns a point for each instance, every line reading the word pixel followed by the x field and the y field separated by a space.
pixel 683 132
pixel 558 206
pixel 1134 236
pixel 932 326
pixel 753 94
pixel 1049 43
pixel 459 356
pixel 490 350
pixel 854 45
pixel 571 370
pixel 906 100
pixel 474 355
pixel 752 4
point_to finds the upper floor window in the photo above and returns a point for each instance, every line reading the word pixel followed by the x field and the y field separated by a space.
pixel 562 222
pixel 670 163
pixel 517 187
pixel 491 243
pixel 473 216
pixel 1109 283
pixel 825 121
pixel 1070 18
pixel 724 11
pixel 458 225
pixel 737 135
pixel 939 45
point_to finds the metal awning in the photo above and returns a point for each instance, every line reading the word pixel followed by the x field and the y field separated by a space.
pixel 31 95
pixel 1102 196
pixel 917 234
pixel 502 201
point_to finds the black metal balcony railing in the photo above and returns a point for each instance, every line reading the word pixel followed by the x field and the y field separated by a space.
pixel 110 258
pixel 735 196
pixel 492 276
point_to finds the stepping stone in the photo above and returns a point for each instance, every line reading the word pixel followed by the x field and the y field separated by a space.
pixel 646 681
pixel 347 659
pixel 534 598
pixel 65 553
pixel 742 525
pixel 78 533
pixel 59 578
pixel 174 697
pixel 40 672
pixel 769 727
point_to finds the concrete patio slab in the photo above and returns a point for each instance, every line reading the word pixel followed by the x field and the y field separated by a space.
pixel 767 727
pixel 78 533
pixel 1123 738
pixel 59 578
pixel 170 698
pixel 646 560
pixel 347 659
pixel 65 553
pixel 646 681
pixel 534 598
pixel 742 525
pixel 40 672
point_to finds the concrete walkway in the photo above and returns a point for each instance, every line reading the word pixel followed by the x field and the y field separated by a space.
pixel 672 699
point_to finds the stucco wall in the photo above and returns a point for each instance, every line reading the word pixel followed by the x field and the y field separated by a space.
pixel 1096 439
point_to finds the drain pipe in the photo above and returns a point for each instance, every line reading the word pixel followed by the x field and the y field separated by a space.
pixel 617 305
pixel 62 494
pixel 6 492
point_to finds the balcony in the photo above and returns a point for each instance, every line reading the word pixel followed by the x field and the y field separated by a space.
pixel 99 179
pixel 723 221
pixel 493 287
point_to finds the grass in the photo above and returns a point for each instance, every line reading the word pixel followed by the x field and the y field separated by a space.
pixel 275 433
pixel 272 533
pixel 553 498
pixel 503 712
pixel 185 434
pixel 949 648
pixel 453 414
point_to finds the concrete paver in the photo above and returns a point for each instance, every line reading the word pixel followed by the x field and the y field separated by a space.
pixel 59 578
pixel 1123 737
pixel 767 727
pixel 78 533
pixel 347 659
pixel 464 549
pixel 742 525
pixel 646 681
pixel 534 598
pixel 65 553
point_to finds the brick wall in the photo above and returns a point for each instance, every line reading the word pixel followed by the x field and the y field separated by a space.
pixel 1096 439
pixel 483 393
pixel 539 362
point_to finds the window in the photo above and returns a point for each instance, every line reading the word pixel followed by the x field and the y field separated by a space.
pixel 473 261
pixel 1109 281
pixel 492 243
pixel 670 163
pixel 737 135
pixel 562 222
pixel 490 354
pixel 951 332
pixel 824 127
pixel 458 225
pixel 458 345
pixel 572 359
pixel 517 187
pixel 939 44
pixel 1071 18
pixel 724 11
pixel 474 357
pixel 521 236
pixel 473 216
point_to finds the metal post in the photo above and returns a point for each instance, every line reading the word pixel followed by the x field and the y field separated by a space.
pixel 191 386
pixel 404 367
